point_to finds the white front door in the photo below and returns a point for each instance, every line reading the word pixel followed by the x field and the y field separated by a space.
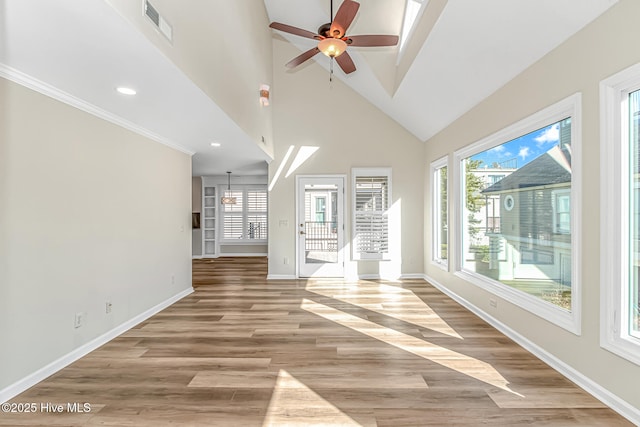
pixel 320 230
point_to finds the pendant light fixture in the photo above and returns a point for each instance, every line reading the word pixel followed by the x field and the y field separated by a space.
pixel 228 200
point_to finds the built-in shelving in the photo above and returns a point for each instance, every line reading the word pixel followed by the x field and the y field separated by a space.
pixel 209 248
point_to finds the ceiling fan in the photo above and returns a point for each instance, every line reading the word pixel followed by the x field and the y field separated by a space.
pixel 332 38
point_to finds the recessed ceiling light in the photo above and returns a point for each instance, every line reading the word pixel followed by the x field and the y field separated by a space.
pixel 126 90
pixel 215 144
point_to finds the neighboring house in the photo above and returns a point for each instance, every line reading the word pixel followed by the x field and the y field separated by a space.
pixel 487 219
pixel 534 240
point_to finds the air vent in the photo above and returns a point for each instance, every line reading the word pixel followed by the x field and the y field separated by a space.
pixel 152 13
pixel 161 24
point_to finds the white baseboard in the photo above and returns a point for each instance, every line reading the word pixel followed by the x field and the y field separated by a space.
pixel 367 277
pixel 281 277
pixel 241 254
pixel 359 277
pixel 596 390
pixel 413 276
pixel 19 386
pixel 378 277
pixel 196 256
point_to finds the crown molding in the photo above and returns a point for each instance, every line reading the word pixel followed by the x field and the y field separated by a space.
pixel 46 89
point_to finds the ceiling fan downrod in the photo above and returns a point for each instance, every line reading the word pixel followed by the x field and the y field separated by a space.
pixel 331 70
pixel 330 58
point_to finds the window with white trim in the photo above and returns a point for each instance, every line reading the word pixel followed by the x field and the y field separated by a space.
pixel 439 213
pixel 529 252
pixel 371 201
pixel 620 213
pixel 246 220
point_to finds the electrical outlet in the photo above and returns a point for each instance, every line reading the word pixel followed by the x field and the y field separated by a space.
pixel 108 307
pixel 173 279
pixel 79 320
pixel 493 302
pixel 286 260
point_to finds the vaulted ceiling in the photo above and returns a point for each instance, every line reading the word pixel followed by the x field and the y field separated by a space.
pixel 459 52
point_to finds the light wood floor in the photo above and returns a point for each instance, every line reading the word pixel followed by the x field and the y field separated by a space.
pixel 243 351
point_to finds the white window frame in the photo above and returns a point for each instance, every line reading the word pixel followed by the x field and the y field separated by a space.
pixel 245 189
pixel 436 213
pixel 377 172
pixel 568 107
pixel 615 230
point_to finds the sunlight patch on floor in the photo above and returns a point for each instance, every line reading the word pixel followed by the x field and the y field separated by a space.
pixel 293 404
pixel 399 303
pixel 458 362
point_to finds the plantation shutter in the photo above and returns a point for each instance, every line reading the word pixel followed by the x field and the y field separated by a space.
pixel 256 226
pixel 232 224
pixel 247 219
pixel 371 220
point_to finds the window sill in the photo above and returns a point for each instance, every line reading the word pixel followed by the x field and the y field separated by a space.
pixel 243 242
pixel 627 348
pixel 371 259
pixel 558 316
pixel 440 264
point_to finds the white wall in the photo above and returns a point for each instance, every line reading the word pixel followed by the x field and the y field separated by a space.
pixel 349 132
pixel 601 49
pixel 229 38
pixel 196 206
pixel 89 213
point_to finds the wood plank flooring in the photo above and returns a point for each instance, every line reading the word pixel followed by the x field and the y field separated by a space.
pixel 228 270
pixel 244 351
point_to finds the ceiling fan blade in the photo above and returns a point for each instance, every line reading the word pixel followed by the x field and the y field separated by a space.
pixel 346 63
pixel 344 18
pixel 303 57
pixel 294 30
pixel 373 40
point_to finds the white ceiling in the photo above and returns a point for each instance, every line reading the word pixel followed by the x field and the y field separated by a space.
pixel 85 49
pixel 474 49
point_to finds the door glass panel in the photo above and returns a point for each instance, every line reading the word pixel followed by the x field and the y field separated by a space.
pixel 321 234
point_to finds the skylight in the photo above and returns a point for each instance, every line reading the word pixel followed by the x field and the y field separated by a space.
pixel 411 13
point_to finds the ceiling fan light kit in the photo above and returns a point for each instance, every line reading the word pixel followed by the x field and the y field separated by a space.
pixel 332 47
pixel 332 38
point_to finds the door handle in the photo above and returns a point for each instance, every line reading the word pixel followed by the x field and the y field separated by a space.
pixel 302 232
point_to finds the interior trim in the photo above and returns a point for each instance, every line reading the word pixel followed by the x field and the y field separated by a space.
pixel 19 386
pixel 46 89
pixel 596 390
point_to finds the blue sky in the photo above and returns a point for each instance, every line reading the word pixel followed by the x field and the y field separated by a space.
pixel 523 149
